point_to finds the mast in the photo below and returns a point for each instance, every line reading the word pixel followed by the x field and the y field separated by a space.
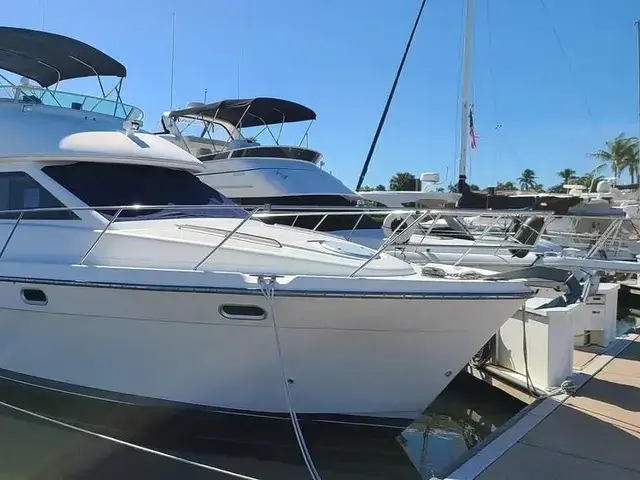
pixel 638 30
pixel 464 95
pixel 372 147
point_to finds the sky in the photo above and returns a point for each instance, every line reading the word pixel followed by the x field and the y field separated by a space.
pixel 551 80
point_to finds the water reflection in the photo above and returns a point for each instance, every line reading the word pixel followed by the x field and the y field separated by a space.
pixel 466 413
pixel 463 415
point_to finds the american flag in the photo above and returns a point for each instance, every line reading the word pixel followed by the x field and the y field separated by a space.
pixel 472 131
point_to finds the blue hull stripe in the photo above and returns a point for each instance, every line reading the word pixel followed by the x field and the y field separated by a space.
pixel 282 292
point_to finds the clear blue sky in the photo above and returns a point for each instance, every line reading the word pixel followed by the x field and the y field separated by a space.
pixel 339 57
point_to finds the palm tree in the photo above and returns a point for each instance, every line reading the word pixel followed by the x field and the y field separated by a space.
pixel 620 153
pixel 402 181
pixel 589 180
pixel 527 179
pixel 566 175
pixel 508 185
pixel 633 162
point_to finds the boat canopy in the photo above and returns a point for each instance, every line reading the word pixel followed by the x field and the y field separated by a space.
pixel 48 58
pixel 249 112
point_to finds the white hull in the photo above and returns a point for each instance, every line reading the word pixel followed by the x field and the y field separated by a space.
pixel 345 356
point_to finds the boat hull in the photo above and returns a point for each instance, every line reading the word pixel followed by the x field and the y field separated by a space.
pixel 342 356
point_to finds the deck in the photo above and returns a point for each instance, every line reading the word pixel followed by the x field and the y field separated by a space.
pixel 593 434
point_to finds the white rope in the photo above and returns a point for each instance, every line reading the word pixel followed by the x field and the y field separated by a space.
pixel 268 290
pixel 126 444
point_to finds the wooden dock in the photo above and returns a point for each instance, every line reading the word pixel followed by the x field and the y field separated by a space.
pixel 593 434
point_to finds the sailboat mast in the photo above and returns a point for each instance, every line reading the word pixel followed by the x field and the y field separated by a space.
pixel 464 95
pixel 638 34
pixel 374 142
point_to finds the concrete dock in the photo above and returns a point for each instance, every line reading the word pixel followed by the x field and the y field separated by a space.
pixel 592 434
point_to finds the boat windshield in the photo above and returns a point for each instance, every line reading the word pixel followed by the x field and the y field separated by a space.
pixel 110 185
pixel 74 101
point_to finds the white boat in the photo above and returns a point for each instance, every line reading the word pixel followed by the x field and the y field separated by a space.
pixel 124 278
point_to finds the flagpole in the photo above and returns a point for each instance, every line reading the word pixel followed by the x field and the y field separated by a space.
pixel 464 96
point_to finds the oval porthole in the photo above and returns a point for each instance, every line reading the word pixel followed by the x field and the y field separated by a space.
pixel 243 312
pixel 33 296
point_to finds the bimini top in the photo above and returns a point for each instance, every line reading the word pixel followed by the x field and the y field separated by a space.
pixel 249 112
pixel 48 58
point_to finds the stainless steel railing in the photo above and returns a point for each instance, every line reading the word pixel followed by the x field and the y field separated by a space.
pixel 420 221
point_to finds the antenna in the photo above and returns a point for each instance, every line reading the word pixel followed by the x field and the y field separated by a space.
pixel 205 96
pixel 238 71
pixel 44 7
pixel 173 57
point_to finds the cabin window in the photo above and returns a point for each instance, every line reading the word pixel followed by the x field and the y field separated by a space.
pixel 125 185
pixel 19 191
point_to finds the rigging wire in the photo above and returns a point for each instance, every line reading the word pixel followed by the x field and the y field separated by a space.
pixel 492 76
pixel 501 133
pixel 374 142
pixel 574 77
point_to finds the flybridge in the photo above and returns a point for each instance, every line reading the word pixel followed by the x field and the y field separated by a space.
pixel 221 125
pixel 47 59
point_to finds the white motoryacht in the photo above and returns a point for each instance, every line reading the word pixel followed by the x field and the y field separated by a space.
pixel 250 173
pixel 124 278
pixel 222 135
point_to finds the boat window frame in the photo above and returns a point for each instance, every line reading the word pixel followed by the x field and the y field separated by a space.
pixel 57 215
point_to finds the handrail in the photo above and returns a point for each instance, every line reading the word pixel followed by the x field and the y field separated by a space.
pixel 249 236
pixel 104 230
pixel 43 95
pixel 464 255
pixel 227 237
pixel 415 218
pixel 389 241
pixel 13 229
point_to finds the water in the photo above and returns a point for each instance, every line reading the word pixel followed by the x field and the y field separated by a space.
pixel 463 415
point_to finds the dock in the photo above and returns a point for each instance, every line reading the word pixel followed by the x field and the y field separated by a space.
pixel 593 433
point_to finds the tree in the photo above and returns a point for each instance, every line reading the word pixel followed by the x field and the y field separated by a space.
pixel 632 163
pixel 474 187
pixel 402 181
pixel 527 179
pixel 440 189
pixel 380 188
pixel 589 180
pixel 566 175
pixel 557 189
pixel 621 152
pixel 366 188
pixel 509 185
